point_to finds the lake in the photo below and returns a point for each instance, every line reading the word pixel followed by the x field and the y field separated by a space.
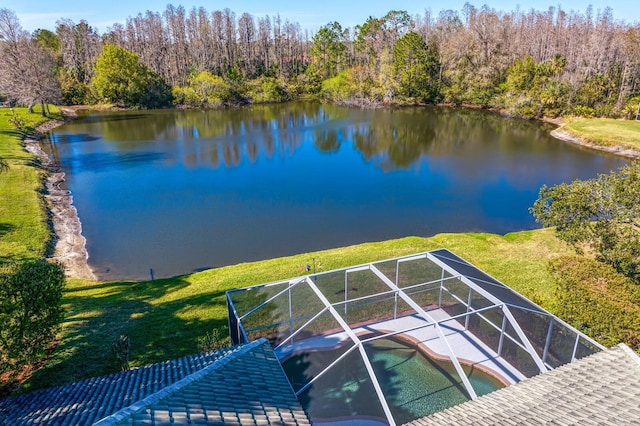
pixel 184 190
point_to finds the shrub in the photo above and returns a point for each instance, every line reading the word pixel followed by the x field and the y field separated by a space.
pixel 213 340
pixel 73 91
pixel 204 90
pixel 120 349
pixel 267 89
pixel 354 85
pixel 30 312
pixel 121 78
pixel 630 108
pixel 336 88
pixel 18 123
pixel 597 300
pixel 583 111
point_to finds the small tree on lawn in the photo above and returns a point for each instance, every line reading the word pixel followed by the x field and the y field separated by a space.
pixel 30 312
pixel 26 67
pixel 600 214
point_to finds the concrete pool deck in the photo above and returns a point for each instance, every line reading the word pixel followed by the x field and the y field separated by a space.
pixel 467 348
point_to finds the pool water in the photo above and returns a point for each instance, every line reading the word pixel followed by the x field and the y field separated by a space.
pixel 414 384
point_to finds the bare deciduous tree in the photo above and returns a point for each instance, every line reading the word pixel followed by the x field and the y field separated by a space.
pixel 27 71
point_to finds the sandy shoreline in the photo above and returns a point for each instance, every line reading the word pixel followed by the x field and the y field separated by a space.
pixel 69 244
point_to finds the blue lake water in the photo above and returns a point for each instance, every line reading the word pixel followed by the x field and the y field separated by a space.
pixel 179 191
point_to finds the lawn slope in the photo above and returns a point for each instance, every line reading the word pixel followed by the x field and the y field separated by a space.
pixel 165 318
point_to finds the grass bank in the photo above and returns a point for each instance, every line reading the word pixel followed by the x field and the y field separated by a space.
pixel 605 132
pixel 24 232
pixel 165 318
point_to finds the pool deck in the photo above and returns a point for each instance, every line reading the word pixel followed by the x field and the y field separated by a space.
pixel 466 347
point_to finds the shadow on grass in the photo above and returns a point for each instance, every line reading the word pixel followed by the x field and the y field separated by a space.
pixel 5 228
pixel 22 160
pixel 28 131
pixel 13 258
pixel 97 314
pixel 12 132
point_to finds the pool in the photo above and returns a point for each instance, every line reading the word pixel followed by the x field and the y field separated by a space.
pixel 414 384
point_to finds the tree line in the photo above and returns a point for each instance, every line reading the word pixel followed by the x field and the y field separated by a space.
pixel 528 64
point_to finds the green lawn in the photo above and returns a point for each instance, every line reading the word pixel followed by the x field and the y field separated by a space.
pixel 24 233
pixel 606 131
pixel 165 318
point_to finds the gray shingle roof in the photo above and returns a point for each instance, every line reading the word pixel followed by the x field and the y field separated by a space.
pixel 600 389
pixel 244 380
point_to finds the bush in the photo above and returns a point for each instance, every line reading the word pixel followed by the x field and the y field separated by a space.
pixel 267 89
pixel 30 312
pixel 18 123
pixel 630 108
pixel 73 91
pixel 120 349
pixel 213 340
pixel 336 88
pixel 204 90
pixel 597 300
pixel 583 111
pixel 522 106
pixel 353 85
pixel 309 82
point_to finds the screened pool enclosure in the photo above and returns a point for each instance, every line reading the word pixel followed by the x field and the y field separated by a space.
pixel 374 341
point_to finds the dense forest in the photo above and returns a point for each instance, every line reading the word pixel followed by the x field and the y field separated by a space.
pixel 528 64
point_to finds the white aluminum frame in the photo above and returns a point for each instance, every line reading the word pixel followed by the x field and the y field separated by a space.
pixel 398 292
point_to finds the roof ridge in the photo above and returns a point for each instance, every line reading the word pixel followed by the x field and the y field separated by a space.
pixel 126 412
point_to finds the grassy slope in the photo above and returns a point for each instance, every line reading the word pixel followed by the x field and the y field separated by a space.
pixel 24 232
pixel 164 318
pixel 606 131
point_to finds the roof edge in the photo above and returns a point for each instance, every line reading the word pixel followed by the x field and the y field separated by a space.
pixel 630 352
pixel 126 412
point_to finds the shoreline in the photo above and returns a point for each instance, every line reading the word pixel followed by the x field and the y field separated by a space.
pixel 565 136
pixel 69 245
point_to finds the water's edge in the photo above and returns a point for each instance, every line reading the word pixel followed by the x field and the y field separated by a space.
pixel 565 136
pixel 69 243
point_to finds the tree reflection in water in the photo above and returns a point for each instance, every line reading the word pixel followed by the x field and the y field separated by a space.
pixel 183 190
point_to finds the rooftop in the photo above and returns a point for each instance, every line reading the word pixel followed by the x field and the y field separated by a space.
pixel 601 389
pixel 190 390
